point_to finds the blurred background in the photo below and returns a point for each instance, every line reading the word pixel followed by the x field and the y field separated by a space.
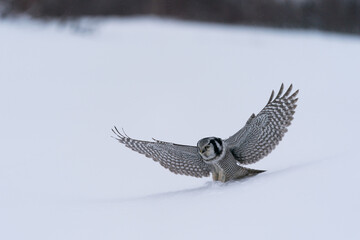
pixel 329 15
pixel 177 71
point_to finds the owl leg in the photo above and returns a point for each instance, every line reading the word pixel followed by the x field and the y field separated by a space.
pixel 215 176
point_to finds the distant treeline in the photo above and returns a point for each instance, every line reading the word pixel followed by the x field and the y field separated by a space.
pixel 332 15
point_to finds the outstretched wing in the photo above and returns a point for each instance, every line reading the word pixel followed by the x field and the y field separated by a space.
pixel 179 159
pixel 263 132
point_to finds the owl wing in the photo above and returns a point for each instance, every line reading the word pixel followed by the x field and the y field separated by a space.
pixel 179 159
pixel 263 132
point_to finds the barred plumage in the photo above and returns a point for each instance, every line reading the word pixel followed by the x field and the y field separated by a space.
pixel 223 158
pixel 179 159
pixel 263 132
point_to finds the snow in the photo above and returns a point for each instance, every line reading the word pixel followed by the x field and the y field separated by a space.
pixel 63 88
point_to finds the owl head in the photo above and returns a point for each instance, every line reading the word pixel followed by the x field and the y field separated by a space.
pixel 210 148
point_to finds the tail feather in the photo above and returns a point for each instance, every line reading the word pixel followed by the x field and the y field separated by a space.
pixel 247 172
pixel 251 171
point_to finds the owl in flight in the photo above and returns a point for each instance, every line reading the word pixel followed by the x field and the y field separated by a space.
pixel 224 159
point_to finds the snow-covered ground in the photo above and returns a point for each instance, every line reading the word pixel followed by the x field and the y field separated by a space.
pixel 63 177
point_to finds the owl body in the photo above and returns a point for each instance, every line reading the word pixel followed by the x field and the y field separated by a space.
pixel 224 167
pixel 224 159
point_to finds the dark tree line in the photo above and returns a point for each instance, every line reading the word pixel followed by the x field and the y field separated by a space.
pixel 332 15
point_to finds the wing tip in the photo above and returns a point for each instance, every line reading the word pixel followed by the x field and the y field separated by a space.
pixel 285 95
pixel 295 94
pixel 119 136
pixel 288 91
pixel 280 91
pixel 271 97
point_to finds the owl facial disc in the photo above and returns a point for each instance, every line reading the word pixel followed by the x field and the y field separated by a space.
pixel 210 148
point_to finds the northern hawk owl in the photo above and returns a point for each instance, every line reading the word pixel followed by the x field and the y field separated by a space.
pixel 224 159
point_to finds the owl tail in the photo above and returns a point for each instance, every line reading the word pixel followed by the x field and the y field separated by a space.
pixel 247 172
pixel 254 171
